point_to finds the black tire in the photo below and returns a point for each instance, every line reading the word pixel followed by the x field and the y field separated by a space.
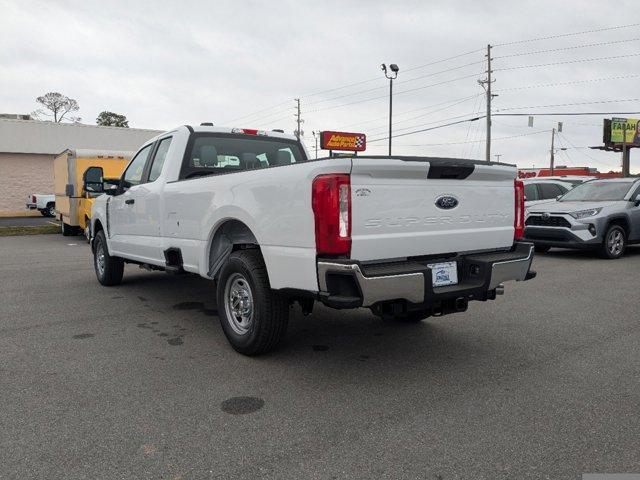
pixel 51 210
pixel 245 274
pixel 67 230
pixel 44 213
pixel 542 248
pixel 614 243
pixel 87 230
pixel 108 269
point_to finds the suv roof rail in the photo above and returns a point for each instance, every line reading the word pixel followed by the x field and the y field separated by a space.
pixel 206 124
pixel 279 130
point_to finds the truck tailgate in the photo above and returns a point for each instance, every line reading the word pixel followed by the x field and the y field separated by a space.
pixel 395 212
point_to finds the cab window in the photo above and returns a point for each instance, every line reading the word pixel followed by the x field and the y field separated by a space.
pixel 214 154
pixel 133 174
pixel 159 158
pixel 550 190
pixel 530 192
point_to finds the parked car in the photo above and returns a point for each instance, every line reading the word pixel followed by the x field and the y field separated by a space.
pixel 70 170
pixel 572 179
pixel 600 214
pixel 44 203
pixel 543 190
pixel 407 237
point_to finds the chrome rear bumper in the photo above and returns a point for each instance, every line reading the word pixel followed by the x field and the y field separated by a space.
pixel 349 284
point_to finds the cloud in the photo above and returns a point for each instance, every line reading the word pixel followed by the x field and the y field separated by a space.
pixel 168 63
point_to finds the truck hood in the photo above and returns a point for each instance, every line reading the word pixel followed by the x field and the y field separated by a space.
pixel 568 207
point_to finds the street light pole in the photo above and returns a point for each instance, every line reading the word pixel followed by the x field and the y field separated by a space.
pixel 391 76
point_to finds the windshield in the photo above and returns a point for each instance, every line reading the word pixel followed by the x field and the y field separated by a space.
pixel 597 191
pixel 223 153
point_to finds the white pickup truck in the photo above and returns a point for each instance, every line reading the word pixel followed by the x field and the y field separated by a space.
pixel 44 203
pixel 407 237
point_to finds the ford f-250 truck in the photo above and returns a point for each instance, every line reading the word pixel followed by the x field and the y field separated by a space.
pixel 407 237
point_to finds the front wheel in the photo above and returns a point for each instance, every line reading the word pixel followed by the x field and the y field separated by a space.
pixel 254 318
pixel 614 243
pixel 109 270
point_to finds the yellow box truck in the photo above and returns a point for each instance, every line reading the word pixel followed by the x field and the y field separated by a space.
pixel 73 201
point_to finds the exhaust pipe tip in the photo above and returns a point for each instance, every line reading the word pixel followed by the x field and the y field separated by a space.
pixel 500 289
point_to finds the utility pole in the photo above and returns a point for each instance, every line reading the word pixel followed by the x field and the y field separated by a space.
pixel 315 138
pixel 299 120
pixel 552 159
pixel 391 76
pixel 486 84
pixel 498 155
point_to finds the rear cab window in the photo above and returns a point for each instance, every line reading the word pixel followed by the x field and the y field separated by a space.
pixel 219 153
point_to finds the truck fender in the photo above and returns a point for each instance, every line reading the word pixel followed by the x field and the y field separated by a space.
pixel 228 234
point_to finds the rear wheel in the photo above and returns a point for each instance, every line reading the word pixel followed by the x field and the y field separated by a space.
pixel 614 243
pixel 51 210
pixel 109 270
pixel 542 248
pixel 254 318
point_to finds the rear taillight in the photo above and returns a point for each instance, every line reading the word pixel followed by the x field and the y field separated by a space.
pixel 33 199
pixel 331 203
pixel 518 222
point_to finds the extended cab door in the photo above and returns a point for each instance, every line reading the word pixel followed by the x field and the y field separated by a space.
pixel 122 212
pixel 137 213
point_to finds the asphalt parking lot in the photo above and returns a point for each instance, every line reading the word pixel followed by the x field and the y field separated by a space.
pixel 27 221
pixel 138 381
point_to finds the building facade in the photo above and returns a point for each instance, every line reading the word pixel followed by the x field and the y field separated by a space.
pixel 28 147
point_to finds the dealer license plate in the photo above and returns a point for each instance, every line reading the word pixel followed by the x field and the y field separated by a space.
pixel 445 273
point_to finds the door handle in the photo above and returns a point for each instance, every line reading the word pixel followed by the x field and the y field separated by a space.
pixel 130 201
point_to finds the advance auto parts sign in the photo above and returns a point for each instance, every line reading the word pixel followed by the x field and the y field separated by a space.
pixel 629 126
pixel 353 142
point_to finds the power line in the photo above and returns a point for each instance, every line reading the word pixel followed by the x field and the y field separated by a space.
pixel 573 34
pixel 398 82
pixel 567 62
pixel 573 47
pixel 406 112
pixel 570 104
pixel 259 111
pixel 566 114
pixel 471 141
pixel 417 67
pixel 585 153
pixel 395 94
pixel 427 129
pixel 574 82
pixel 431 112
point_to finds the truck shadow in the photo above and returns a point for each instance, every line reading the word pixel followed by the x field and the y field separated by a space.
pixel 326 338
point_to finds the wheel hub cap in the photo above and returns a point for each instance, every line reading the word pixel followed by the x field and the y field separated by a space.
pixel 100 259
pixel 238 299
pixel 615 242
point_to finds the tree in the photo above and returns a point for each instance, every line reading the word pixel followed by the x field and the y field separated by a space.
pixel 110 119
pixel 58 106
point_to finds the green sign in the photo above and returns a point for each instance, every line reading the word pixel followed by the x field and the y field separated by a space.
pixel 630 128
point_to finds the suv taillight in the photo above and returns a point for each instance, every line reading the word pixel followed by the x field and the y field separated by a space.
pixel 518 222
pixel 331 203
pixel 33 199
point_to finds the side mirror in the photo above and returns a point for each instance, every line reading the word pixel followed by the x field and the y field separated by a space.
pixel 637 200
pixel 93 181
pixel 110 188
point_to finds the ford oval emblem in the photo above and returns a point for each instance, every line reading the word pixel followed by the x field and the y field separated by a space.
pixel 446 202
